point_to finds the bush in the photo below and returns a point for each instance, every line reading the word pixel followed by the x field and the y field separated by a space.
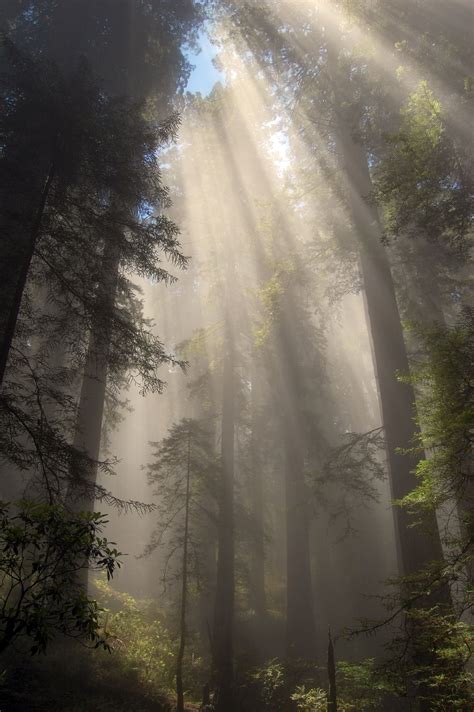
pixel 43 550
pixel 139 640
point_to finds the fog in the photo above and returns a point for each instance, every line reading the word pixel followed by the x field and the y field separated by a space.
pixel 237 325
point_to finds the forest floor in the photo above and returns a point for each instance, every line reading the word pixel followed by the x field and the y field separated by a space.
pixel 77 700
pixel 67 684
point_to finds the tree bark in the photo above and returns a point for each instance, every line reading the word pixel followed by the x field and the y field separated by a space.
pixel 224 601
pixel 300 630
pixel 416 546
pixel 184 590
pixel 300 627
pixel 257 561
pixel 23 267
pixel 332 692
pixel 88 431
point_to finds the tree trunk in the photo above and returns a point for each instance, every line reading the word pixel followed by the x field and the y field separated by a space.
pixel 332 692
pixel 224 601
pixel 257 561
pixel 426 302
pixel 21 266
pixel 12 629
pixel 415 546
pixel 184 591
pixel 300 628
pixel 92 398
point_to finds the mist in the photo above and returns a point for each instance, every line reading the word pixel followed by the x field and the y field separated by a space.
pixel 236 331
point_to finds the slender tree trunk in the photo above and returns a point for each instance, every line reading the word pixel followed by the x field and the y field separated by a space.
pixel 13 309
pixel 12 630
pixel 300 630
pixel 257 562
pixel 224 601
pixel 184 590
pixel 332 692
pixel 300 627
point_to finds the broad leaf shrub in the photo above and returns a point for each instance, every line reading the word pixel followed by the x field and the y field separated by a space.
pixel 44 549
pixel 361 687
pixel 144 644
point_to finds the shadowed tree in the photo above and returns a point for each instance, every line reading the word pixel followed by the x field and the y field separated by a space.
pixel 183 475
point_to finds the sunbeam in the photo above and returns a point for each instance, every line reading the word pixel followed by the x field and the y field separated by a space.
pixel 236 336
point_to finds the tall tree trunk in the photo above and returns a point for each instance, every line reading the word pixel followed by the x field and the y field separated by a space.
pixel 184 590
pixel 426 302
pixel 257 561
pixel 416 546
pixel 300 630
pixel 300 627
pixel 92 398
pixel 224 600
pixel 20 264
pixel 332 692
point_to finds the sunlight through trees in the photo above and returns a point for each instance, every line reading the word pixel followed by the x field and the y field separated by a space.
pixel 236 336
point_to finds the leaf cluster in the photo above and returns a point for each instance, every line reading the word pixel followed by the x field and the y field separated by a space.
pixel 42 550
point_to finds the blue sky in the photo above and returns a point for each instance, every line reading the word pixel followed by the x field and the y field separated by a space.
pixel 204 75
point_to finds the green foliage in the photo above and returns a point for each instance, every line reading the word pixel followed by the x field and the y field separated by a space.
pixel 270 295
pixel 443 677
pixel 143 644
pixel 140 642
pixel 361 687
pixel 428 654
pixel 349 475
pixel 444 378
pixel 43 548
pixel 271 677
pixel 438 668
pixel 423 120
pixel 282 683
pixel 314 700
pixel 96 225
pixel 188 445
pixel 158 65
pixel 423 183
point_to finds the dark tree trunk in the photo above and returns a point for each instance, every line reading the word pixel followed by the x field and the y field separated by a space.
pixel 416 546
pixel 257 561
pixel 80 495
pixel 92 398
pixel 426 301
pixel 184 590
pixel 12 630
pixel 332 692
pixel 224 600
pixel 18 262
pixel 300 627
pixel 90 413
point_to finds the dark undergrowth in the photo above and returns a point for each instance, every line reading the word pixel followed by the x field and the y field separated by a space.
pixel 71 679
